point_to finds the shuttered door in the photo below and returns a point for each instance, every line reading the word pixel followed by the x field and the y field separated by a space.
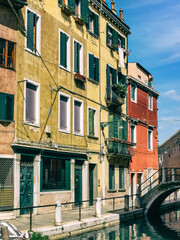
pixel 30 26
pixel 6 183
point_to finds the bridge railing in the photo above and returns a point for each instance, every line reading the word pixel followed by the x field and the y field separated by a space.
pixel 162 175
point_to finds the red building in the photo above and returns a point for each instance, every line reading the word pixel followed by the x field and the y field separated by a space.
pixel 142 129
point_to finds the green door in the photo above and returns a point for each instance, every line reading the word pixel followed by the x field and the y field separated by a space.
pixel 78 184
pixel 91 187
pixel 26 185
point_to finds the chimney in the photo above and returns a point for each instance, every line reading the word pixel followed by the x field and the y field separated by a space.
pixel 112 7
pixel 121 14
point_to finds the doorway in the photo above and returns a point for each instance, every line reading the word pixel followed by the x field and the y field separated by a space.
pixel 91 183
pixel 78 184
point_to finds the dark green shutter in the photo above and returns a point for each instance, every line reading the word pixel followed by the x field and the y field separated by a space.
pixel 60 1
pixel 85 10
pixel 121 177
pixel 96 24
pixel 123 79
pixel 107 38
pixel 63 50
pixel 91 66
pixel 125 130
pixel 116 126
pixel 30 25
pixel 91 122
pixel 96 69
pixel 122 42
pixel 119 77
pixel 114 76
pixel 41 174
pixel 75 55
pixel 108 75
pixel 111 126
pixel 71 3
pixel 121 129
pixel 9 107
pixel 115 39
pixel 68 175
pixel 3 106
pixel 132 133
pixel 111 177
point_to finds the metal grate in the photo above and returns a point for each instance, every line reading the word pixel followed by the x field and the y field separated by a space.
pixel 6 182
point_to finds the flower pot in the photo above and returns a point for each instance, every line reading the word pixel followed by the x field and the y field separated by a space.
pixel 79 21
pixel 66 11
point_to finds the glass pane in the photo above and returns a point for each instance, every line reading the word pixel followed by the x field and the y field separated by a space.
pixel 31 102
pixel 2 52
pixel 63 112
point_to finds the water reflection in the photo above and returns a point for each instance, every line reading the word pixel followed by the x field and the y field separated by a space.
pixel 164 227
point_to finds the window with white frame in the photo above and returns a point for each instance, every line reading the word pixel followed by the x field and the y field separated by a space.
pixel 32 102
pixel 78 117
pixel 64 50
pixel 78 57
pixel 64 112
pixel 133 93
pixel 150 102
pixel 33 26
pixel 92 119
pixel 133 133
pixel 150 139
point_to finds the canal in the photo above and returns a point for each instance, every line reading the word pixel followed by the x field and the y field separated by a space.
pixel 164 227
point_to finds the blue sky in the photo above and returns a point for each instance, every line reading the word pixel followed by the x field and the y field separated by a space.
pixel 155 43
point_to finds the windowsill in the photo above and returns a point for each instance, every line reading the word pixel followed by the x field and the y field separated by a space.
pixel 8 121
pixel 32 124
pixel 93 81
pixel 134 101
pixel 112 190
pixel 150 150
pixel 8 68
pixel 64 131
pixel 93 137
pixel 150 109
pixel 78 134
pixel 93 34
pixel 121 190
pixel 44 192
pixel 67 70
pixel 33 53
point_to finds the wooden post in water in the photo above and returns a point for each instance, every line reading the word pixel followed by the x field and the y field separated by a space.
pixel 5 233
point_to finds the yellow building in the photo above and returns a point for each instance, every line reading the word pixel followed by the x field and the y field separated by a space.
pixel 70 139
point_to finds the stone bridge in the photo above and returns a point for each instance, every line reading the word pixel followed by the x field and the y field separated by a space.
pixel 152 192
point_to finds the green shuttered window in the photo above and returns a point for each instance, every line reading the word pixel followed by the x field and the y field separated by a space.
pixel 64 50
pixel 33 31
pixel 7 107
pixel 121 178
pixel 77 57
pixel 117 127
pixel 93 24
pixel 111 176
pixel 55 174
pixel 92 113
pixel 93 67
pixel 85 10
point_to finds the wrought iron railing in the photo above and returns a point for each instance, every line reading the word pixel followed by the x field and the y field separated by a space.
pixel 115 147
pixel 111 96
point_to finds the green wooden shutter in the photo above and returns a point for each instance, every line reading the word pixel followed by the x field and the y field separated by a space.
pixel 114 76
pixel 60 1
pixel 96 77
pixel 111 126
pixel 114 39
pixel 122 42
pixel 3 106
pixel 85 10
pixel 9 107
pixel 68 175
pixel 63 49
pixel 108 75
pixel 121 129
pixel 125 132
pixel 91 66
pixel 30 25
pixel 91 122
pixel 75 55
pixel 96 24
pixel 71 3
pixel 132 133
pixel 111 177
pixel 107 38
pixel 116 126
pixel 121 178
pixel 119 77
pixel 123 79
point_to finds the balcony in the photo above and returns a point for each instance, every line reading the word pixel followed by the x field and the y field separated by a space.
pixel 79 77
pixel 113 97
pixel 118 147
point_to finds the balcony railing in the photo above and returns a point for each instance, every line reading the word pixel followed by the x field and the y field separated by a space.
pixel 119 147
pixel 112 98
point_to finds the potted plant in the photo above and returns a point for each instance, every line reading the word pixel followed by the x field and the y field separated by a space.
pixel 78 76
pixel 80 20
pixel 120 90
pixel 67 9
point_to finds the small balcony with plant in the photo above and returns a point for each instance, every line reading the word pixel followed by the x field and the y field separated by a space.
pixel 116 94
pixel 79 77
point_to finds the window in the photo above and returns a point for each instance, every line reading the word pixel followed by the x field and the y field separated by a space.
pixel 133 93
pixel 56 174
pixel 121 178
pixel 150 139
pixel 32 102
pixel 92 122
pixel 7 54
pixel 33 38
pixel 150 102
pixel 109 35
pixel 111 176
pixel 64 112
pixel 133 133
pixel 78 8
pixel 93 67
pixel 78 117
pixel 121 41
pixel 7 107
pixel 78 57
pixel 114 39
pixel 139 77
pixel 64 46
pixel 94 23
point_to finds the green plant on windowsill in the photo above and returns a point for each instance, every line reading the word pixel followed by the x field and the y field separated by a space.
pixel 68 8
pixel 120 90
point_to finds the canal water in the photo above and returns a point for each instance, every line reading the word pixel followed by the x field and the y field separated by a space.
pixel 164 227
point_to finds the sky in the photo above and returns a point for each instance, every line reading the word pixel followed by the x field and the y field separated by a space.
pixel 155 43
